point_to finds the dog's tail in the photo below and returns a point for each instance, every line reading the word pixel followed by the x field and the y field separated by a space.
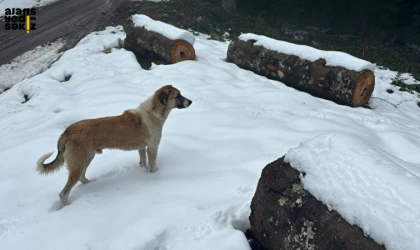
pixel 55 165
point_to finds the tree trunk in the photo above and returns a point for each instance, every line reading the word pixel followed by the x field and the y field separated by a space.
pixel 155 47
pixel 337 84
pixel 286 216
pixel 229 6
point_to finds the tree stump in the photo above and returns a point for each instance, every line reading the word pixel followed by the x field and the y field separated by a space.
pixel 334 83
pixel 286 216
pixel 147 43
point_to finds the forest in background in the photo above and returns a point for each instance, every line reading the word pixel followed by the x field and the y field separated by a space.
pixel 384 32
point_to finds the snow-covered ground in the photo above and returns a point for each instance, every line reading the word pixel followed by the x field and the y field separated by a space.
pixel 29 64
pixel 210 158
pixel 5 4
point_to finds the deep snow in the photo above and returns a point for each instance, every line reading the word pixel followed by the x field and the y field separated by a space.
pixel 367 185
pixel 210 158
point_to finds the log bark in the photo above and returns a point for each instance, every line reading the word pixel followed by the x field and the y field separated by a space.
pixel 154 47
pixel 338 84
pixel 286 216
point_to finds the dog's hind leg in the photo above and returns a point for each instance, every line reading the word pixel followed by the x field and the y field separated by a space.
pixel 143 157
pixel 77 159
pixel 83 178
pixel 72 180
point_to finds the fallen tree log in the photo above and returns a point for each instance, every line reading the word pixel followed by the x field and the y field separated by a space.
pixel 286 216
pixel 156 41
pixel 305 69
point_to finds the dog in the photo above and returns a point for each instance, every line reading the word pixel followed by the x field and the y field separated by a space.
pixel 136 129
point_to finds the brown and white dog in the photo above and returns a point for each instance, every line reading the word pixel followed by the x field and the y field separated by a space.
pixel 136 129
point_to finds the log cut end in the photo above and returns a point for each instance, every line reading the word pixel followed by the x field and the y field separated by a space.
pixel 181 51
pixel 363 88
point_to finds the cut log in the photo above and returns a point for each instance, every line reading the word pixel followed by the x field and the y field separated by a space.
pixel 151 45
pixel 286 216
pixel 338 84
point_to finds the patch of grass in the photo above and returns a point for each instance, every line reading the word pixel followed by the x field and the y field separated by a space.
pixel 160 7
pixel 214 36
pixel 405 87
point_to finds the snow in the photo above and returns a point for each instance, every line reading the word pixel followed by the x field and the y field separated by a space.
pixel 354 169
pixel 333 58
pixel 162 28
pixel 5 4
pixel 408 79
pixel 29 64
pixel 210 158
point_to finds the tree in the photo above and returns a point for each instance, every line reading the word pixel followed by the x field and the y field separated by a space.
pixel 406 11
pixel 229 6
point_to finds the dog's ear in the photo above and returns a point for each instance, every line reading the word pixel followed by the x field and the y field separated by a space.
pixel 163 96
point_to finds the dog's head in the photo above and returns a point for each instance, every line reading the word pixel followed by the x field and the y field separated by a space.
pixel 171 97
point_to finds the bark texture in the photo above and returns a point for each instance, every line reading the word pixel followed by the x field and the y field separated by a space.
pixel 154 47
pixel 286 216
pixel 337 84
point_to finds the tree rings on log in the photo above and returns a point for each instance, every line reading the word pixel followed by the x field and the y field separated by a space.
pixel 337 84
pixel 182 50
pixel 365 84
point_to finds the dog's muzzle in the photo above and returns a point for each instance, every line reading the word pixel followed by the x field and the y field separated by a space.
pixel 185 103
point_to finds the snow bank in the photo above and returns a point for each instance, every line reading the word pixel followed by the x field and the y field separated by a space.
pixel 366 185
pixel 333 58
pixel 162 28
pixel 29 64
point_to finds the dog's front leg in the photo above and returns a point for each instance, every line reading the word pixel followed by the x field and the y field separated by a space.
pixel 143 158
pixel 152 155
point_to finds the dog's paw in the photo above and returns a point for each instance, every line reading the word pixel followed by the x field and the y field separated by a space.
pixel 143 165
pixel 151 170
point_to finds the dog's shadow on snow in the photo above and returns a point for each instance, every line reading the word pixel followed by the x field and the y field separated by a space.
pixel 112 180
pixel 56 206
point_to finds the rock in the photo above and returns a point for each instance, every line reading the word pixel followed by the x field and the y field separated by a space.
pixel 286 216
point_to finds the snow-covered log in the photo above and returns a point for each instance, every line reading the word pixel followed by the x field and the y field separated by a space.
pixel 330 75
pixel 286 216
pixel 157 41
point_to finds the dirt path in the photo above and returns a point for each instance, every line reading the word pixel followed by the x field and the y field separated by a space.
pixel 68 19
